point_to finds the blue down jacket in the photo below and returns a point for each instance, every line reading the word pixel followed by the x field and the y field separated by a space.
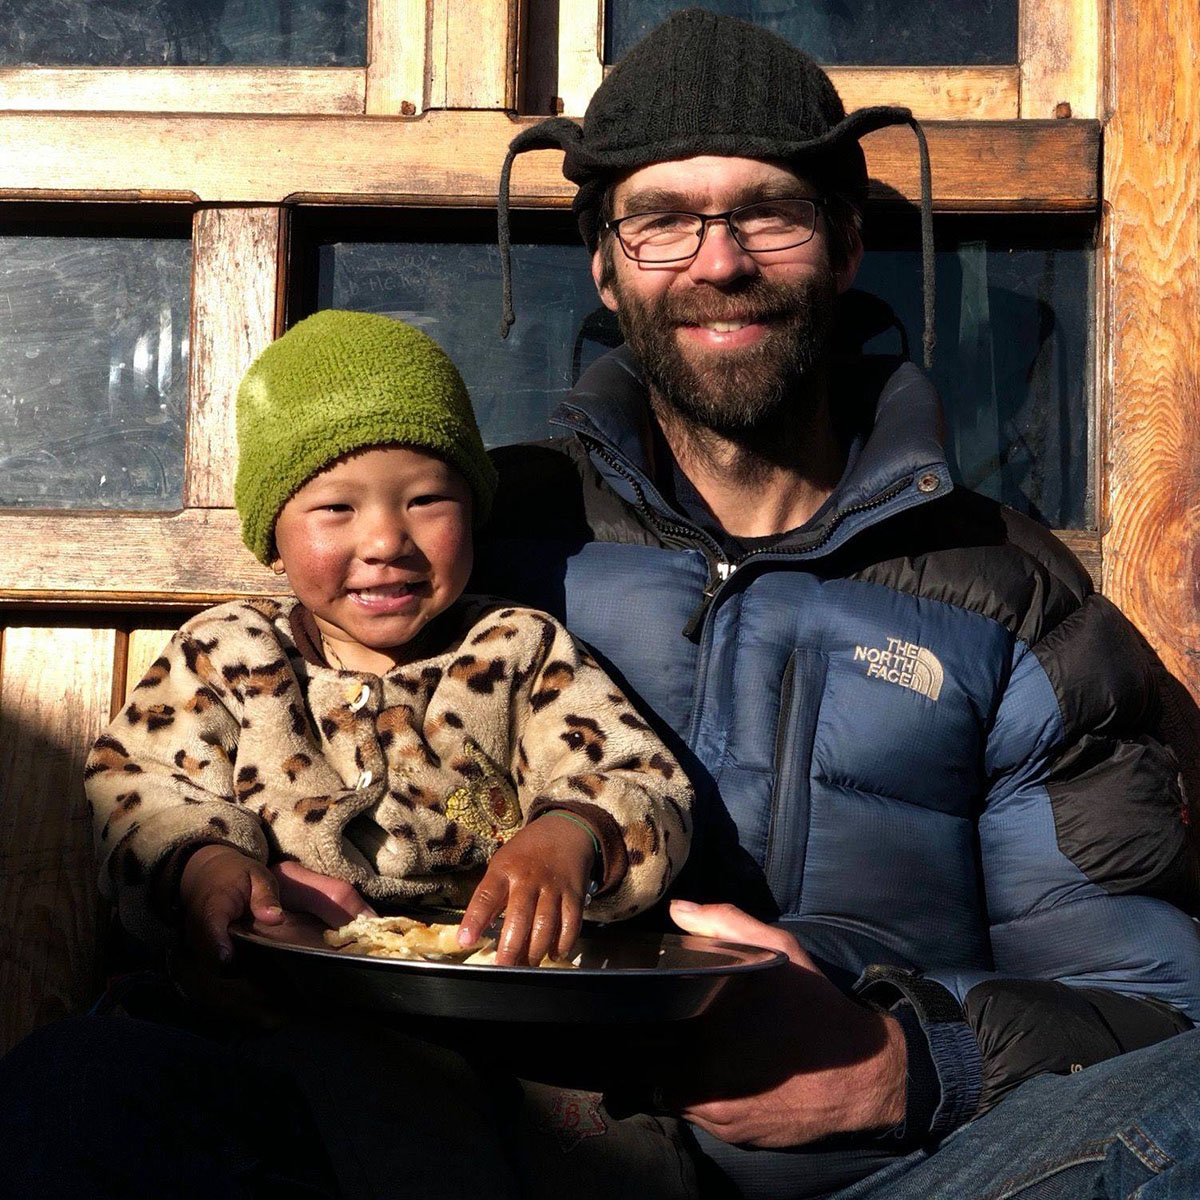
pixel 926 745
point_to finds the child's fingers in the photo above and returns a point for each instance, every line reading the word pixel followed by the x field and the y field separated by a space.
pixel 485 906
pixel 264 896
pixel 333 901
pixel 220 909
pixel 572 923
pixel 513 947
pixel 547 926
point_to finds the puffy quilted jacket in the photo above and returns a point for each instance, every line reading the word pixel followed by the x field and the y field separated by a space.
pixel 922 741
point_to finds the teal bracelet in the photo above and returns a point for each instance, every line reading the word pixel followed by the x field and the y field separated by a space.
pixel 558 812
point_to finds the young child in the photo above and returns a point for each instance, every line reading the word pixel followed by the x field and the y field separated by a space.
pixel 378 727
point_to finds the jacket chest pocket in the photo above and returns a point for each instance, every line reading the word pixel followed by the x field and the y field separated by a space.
pixel 787 840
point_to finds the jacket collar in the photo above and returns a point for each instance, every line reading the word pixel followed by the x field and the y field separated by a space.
pixel 902 461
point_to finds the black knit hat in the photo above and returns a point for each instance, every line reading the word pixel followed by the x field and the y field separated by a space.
pixel 703 83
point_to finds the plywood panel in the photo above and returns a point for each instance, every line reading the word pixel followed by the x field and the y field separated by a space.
pixel 1152 240
pixel 235 253
pixel 185 89
pixel 472 59
pixel 1009 165
pixel 396 40
pixel 54 699
pixel 1060 58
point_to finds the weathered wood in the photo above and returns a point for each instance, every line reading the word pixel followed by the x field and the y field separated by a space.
pixel 193 557
pixel 145 644
pixel 455 156
pixel 472 63
pixel 1087 546
pixel 235 252
pixel 580 53
pixel 184 89
pixel 933 94
pixel 186 559
pixel 1060 58
pixel 1152 248
pixel 54 699
pixel 396 33
pixel 1020 166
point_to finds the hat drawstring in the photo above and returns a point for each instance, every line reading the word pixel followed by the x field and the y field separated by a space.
pixel 556 133
pixel 928 260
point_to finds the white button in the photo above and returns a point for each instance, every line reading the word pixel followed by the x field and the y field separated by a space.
pixel 363 696
pixel 364 780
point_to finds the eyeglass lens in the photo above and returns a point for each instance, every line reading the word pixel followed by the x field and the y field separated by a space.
pixel 766 225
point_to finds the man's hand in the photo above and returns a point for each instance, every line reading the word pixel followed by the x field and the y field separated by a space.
pixel 789 1059
pixel 538 879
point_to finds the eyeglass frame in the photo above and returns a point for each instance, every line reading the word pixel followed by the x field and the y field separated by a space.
pixel 819 204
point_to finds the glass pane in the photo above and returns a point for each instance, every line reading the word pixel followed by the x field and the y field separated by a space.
pixel 93 371
pixel 452 291
pixel 862 32
pixel 183 33
pixel 1013 361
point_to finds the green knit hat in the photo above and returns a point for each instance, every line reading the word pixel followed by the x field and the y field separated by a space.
pixel 336 382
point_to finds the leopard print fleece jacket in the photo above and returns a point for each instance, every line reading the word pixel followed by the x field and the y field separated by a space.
pixel 403 784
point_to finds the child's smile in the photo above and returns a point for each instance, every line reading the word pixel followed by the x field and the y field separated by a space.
pixel 376 546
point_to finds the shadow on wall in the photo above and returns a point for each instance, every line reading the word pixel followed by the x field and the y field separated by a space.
pixel 54 699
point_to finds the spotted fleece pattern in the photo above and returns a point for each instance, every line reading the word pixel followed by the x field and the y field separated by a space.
pixel 403 784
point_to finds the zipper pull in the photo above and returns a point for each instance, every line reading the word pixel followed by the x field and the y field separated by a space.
pixel 722 569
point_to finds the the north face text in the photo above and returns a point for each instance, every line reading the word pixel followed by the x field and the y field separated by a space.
pixel 905 663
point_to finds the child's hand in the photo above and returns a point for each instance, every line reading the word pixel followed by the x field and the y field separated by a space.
pixel 538 878
pixel 220 884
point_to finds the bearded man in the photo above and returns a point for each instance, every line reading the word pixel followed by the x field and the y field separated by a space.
pixel 927 746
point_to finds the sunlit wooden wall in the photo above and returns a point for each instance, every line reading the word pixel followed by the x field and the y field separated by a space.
pixel 89 598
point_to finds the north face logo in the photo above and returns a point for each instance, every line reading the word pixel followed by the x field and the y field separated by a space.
pixel 905 663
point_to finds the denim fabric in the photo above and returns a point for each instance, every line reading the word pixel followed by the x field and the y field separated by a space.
pixel 1123 1128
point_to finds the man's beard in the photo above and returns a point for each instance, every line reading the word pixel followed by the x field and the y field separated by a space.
pixel 734 393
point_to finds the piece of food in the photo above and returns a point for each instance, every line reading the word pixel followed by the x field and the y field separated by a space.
pixel 404 937
pixel 401 937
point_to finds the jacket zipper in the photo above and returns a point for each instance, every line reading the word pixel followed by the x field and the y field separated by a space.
pixel 719 576
pixel 721 568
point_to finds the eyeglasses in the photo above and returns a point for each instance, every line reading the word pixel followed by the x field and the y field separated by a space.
pixel 759 228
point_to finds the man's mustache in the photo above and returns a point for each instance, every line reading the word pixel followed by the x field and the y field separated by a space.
pixel 762 302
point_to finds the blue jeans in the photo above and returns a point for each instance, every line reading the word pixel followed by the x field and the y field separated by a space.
pixel 1129 1127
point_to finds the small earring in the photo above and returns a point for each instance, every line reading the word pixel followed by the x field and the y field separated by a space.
pixel 278 568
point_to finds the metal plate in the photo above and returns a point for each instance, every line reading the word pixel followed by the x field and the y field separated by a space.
pixel 623 977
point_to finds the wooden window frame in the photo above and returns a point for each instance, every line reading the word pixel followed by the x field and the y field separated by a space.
pixel 404 74
pixel 1057 73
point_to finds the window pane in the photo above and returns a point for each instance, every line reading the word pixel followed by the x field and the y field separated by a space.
pixel 183 33
pixel 1013 361
pixel 862 32
pixel 93 371
pixel 451 289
